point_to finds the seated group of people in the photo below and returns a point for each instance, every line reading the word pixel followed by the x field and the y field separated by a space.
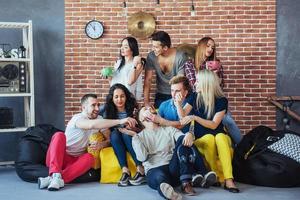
pixel 179 145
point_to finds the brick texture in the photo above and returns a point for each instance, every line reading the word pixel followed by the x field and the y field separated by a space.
pixel 244 30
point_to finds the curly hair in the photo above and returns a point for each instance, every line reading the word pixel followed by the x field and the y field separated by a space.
pixel 130 104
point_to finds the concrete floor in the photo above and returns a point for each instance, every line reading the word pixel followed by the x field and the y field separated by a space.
pixel 13 188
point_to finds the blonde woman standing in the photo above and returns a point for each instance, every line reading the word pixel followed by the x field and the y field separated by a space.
pixel 209 106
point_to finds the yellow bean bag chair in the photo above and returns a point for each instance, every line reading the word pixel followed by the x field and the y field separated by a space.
pixel 110 168
pixel 99 137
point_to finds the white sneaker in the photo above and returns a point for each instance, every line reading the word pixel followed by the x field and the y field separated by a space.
pixel 55 184
pixel 169 192
pixel 44 182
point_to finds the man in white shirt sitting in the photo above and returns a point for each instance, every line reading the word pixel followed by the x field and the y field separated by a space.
pixel 67 156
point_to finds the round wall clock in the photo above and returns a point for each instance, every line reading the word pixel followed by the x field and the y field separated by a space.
pixel 94 29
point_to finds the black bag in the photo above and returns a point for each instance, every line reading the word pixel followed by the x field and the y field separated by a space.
pixel 31 155
pixel 268 158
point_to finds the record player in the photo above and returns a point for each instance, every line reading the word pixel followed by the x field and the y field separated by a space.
pixel 13 77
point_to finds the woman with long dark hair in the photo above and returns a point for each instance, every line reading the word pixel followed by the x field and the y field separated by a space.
pixel 128 67
pixel 120 103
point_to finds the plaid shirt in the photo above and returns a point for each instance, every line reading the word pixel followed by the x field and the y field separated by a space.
pixel 190 72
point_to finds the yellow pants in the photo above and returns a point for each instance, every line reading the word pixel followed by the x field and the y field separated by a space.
pixel 214 148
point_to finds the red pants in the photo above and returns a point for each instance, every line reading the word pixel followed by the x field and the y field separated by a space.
pixel 59 161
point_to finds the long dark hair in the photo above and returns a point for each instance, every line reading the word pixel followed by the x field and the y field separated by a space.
pixel 134 47
pixel 111 111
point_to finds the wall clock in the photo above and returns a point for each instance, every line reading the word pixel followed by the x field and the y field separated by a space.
pixel 94 29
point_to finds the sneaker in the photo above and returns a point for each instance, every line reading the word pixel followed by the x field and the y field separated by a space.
pixel 124 181
pixel 56 183
pixel 138 179
pixel 44 182
pixel 209 179
pixel 188 189
pixel 197 180
pixel 169 192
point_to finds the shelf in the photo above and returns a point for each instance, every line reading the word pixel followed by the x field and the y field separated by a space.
pixel 15 59
pixel 17 129
pixel 26 76
pixel 13 25
pixel 7 162
pixel 19 94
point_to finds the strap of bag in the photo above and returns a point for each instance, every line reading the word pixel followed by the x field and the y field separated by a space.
pixel 261 143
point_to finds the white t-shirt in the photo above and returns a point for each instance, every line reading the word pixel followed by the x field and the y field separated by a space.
pixel 122 77
pixel 77 138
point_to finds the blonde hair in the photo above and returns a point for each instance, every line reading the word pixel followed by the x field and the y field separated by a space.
pixel 208 89
pixel 200 52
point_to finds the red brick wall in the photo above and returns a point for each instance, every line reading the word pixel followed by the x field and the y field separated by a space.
pixel 244 30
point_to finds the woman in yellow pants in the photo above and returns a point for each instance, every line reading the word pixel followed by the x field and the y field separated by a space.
pixel 214 148
pixel 208 106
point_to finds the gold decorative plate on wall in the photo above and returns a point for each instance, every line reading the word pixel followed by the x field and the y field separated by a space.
pixel 141 24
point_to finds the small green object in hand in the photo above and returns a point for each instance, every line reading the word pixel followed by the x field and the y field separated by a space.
pixel 107 71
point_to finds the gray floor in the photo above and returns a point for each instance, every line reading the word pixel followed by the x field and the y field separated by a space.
pixel 13 188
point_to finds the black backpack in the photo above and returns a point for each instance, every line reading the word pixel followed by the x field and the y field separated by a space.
pixel 264 157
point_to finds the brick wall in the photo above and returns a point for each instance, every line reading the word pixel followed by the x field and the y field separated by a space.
pixel 244 30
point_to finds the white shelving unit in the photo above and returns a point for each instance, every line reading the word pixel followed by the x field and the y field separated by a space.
pixel 28 95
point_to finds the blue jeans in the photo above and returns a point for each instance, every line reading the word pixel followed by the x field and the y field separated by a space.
pixel 122 143
pixel 175 172
pixel 232 128
pixel 161 174
pixel 197 167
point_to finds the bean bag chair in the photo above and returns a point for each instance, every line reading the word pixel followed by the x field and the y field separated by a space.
pixel 268 158
pixel 31 155
pixel 110 168
pixel 96 137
